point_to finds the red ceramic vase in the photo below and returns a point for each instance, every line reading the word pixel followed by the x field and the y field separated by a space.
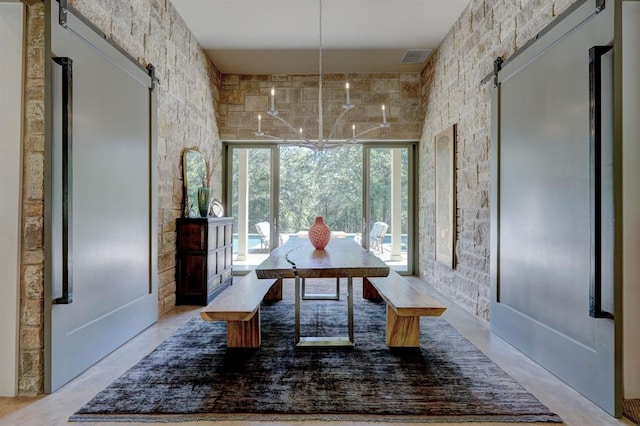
pixel 319 234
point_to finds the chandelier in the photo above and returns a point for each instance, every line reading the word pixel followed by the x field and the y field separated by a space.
pixel 321 142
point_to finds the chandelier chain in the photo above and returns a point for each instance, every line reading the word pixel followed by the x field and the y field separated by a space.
pixel 321 79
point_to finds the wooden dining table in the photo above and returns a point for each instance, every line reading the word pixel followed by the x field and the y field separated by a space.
pixel 342 258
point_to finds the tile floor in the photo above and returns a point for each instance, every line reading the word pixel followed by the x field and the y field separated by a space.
pixel 56 408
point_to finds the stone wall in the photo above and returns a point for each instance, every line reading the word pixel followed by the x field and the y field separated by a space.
pixel 31 344
pixel 451 93
pixel 243 97
pixel 188 93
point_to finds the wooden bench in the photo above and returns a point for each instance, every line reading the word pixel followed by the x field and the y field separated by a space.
pixel 239 306
pixel 406 303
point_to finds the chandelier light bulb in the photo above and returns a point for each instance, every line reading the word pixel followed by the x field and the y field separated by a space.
pixel 273 98
pixel 348 97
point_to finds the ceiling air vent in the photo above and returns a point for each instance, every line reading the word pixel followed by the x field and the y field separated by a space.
pixel 415 56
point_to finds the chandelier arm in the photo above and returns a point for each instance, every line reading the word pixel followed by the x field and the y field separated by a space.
pixel 327 145
pixel 346 109
pixel 267 136
pixel 364 132
pixel 339 143
pixel 293 129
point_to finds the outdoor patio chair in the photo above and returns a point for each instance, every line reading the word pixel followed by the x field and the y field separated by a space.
pixel 376 236
pixel 264 230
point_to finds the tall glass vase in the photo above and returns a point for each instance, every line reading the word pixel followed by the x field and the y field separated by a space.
pixel 319 234
pixel 203 201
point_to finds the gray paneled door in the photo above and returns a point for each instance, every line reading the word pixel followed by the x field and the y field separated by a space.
pixel 102 272
pixel 552 204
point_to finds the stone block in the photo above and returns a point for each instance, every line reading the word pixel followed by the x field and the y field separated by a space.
pixel 166 261
pixel 234 96
pixel 34 175
pixel 33 281
pixel 31 362
pixel 35 117
pixel 31 314
pixel 260 77
pixel 256 103
pixel 166 277
pixel 230 79
pixel 168 242
pixel 31 338
pixel 410 77
pixel 35 58
pixel 33 233
pixel 166 304
pixel 33 257
pixel 168 218
pixel 34 142
pixel 228 109
pixel 30 385
pixel 242 119
pixel 34 89
pixel 255 87
pixel 167 289
pixel 33 208
pixel 409 90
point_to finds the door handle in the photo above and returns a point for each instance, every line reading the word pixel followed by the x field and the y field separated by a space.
pixel 595 152
pixel 67 126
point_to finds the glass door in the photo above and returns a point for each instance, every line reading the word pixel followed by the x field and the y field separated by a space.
pixel 320 183
pixel 363 191
pixel 250 195
pixel 388 224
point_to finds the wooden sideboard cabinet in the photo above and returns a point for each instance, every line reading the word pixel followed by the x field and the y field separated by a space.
pixel 205 257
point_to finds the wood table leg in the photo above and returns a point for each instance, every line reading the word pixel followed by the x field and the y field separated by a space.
pixel 275 292
pixel 369 291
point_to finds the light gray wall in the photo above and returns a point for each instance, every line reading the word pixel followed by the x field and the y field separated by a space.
pixel 11 66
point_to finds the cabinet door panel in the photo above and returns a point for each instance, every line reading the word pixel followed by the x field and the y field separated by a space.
pixel 193 274
pixel 191 237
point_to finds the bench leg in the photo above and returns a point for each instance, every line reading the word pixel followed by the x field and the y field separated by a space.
pixel 369 291
pixel 275 292
pixel 244 334
pixel 402 331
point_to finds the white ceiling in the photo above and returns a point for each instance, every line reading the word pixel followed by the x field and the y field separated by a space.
pixel 282 36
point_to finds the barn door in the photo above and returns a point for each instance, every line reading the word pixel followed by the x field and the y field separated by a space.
pixel 552 204
pixel 102 268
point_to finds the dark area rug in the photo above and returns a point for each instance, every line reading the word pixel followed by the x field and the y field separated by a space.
pixel 193 376
pixel 631 410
